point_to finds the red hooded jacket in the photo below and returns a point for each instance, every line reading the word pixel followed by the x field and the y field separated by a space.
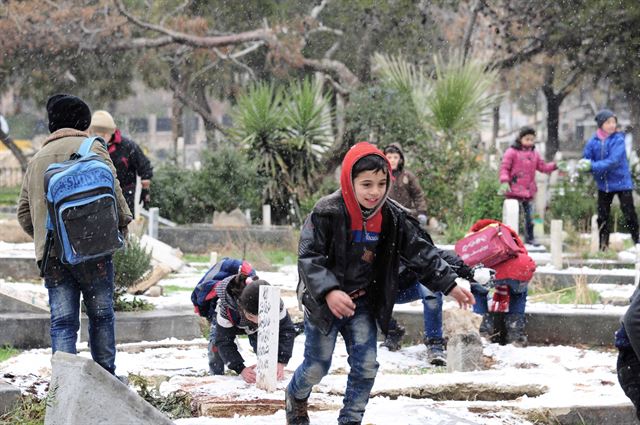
pixel 519 268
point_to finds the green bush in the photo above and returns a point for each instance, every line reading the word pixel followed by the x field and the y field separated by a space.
pixel 574 202
pixel 130 263
pixel 227 180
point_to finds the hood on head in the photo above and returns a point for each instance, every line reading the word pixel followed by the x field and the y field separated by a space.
pixel 358 151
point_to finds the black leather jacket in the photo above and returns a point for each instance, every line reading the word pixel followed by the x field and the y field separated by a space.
pixel 322 253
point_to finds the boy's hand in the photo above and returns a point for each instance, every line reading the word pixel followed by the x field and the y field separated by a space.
pixel 463 296
pixel 340 304
pixel 249 374
pixel 280 371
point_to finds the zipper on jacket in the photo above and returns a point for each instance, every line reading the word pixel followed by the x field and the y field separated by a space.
pixel 364 230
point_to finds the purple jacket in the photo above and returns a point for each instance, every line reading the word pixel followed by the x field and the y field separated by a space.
pixel 519 167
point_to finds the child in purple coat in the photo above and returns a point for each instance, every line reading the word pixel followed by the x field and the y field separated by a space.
pixel 518 175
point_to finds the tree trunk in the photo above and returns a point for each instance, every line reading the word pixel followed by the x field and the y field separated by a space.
pixel 15 150
pixel 553 120
pixel 634 120
pixel 496 125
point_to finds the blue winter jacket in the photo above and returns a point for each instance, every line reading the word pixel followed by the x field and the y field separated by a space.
pixel 609 164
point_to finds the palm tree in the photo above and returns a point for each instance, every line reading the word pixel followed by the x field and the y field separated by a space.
pixel 450 105
pixel 287 132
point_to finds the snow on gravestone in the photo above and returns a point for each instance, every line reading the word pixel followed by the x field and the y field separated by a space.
pixel 268 330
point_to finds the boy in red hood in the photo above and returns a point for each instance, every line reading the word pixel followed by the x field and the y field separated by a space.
pixel 349 256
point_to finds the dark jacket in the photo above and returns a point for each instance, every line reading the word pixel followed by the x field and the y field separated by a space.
pixel 230 322
pixel 129 161
pixel 406 189
pixel 322 250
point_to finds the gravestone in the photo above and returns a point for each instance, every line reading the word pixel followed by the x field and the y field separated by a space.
pixel 510 213
pixel 594 246
pixel 268 334
pixel 464 353
pixel 556 243
pixel 82 392
pixel 235 218
pixel 9 396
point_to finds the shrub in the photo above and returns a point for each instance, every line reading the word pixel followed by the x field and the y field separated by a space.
pixel 227 180
pixel 130 264
pixel 574 202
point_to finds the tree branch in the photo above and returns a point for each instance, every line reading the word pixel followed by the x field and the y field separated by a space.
pixel 197 107
pixel 197 41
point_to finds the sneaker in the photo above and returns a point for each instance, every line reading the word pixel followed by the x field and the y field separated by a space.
pixel 533 242
pixel 124 379
pixel 296 410
pixel 435 351
pixel 393 340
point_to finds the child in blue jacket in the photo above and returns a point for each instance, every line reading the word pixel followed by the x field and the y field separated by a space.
pixel 605 156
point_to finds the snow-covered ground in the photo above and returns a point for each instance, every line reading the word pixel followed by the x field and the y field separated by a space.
pixel 559 376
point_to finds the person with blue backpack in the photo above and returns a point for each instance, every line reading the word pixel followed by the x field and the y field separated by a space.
pixel 605 157
pixel 73 207
pixel 228 296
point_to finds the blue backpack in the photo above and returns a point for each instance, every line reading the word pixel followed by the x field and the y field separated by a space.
pixel 204 296
pixel 82 217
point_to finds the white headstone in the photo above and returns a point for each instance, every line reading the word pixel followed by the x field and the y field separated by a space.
pixel 556 243
pixel 510 213
pixel 213 258
pixel 154 214
pixel 595 235
pixel 266 215
pixel 268 327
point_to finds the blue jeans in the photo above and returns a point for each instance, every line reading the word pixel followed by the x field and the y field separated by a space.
pixel 517 296
pixel 527 208
pixel 94 279
pixel 359 332
pixel 432 307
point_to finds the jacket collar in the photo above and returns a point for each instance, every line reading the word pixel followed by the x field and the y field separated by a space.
pixel 64 132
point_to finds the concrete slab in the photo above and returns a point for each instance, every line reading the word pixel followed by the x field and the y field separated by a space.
pixel 29 330
pixel 204 238
pixel 19 268
pixel 11 304
pixel 9 396
pixel 562 328
pixel 81 392
pixel 568 278
pixel 580 415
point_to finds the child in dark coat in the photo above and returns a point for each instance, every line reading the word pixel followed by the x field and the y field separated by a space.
pixel 349 257
pixel 237 314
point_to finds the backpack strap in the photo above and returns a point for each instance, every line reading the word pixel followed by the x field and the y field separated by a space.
pixel 85 147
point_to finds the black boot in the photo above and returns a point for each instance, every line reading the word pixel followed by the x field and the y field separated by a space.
pixel 435 351
pixel 393 339
pixel 296 410
pixel 487 329
pixel 515 322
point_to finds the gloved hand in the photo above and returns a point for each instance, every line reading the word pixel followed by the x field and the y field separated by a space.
pixel 483 275
pixel 504 188
pixel 145 197
pixel 562 166
pixel 422 219
pixel 584 165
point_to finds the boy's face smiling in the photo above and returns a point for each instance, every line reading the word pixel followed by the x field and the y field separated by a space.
pixel 370 187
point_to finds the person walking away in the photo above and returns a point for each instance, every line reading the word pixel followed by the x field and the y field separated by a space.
pixel 69 118
pixel 127 157
pixel 349 257
pixel 605 157
pixel 518 176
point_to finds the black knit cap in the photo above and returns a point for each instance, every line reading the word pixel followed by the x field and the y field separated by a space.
pixel 250 297
pixel 68 111
pixel 603 115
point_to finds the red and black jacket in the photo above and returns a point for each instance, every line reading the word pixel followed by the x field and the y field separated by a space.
pixel 129 161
